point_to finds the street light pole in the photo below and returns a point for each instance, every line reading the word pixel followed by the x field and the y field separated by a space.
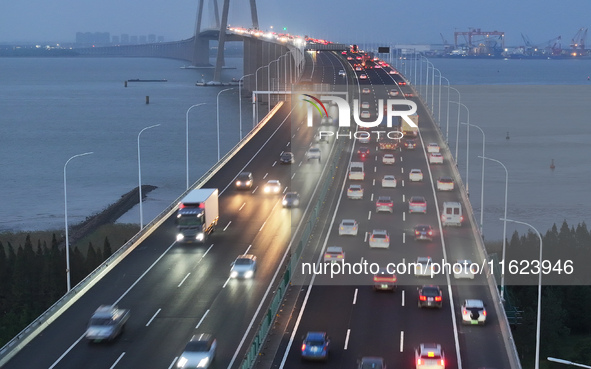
pixel 269 82
pixel 537 362
pixel 566 362
pixel 139 171
pixel 218 116
pixel 240 99
pixel 467 143
pixel 66 220
pixel 447 121
pixel 187 139
pixel 482 179
pixel 504 223
pixel 256 86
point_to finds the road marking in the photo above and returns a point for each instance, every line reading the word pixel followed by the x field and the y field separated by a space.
pixel 293 136
pixel 266 174
pixel 371 197
pixel 374 181
pixel 347 339
pixel 285 189
pixel 226 227
pixel 246 252
pixel 275 162
pixel 241 206
pixel 265 222
pixel 404 216
pixel 369 216
pixel 255 190
pixel 298 128
pixel 116 361
pixel 401 170
pixel 402 297
pixel 288 143
pixel 355 296
pixel 403 183
pixel 300 164
pixel 375 169
pixel 403 237
pixel 293 175
pixel 173 361
pixel 401 158
pixel 202 318
pixel 153 317
pixel 365 238
pixel 225 283
pixel 401 341
pixel 187 276
pixel 376 158
pixel 206 251
pixel 403 198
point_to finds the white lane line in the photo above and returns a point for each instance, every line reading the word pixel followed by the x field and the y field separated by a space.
pixel 369 216
pixel 116 361
pixel 300 164
pixel 187 276
pixel 202 318
pixel 241 206
pixel 371 199
pixel 265 222
pixel 402 297
pixel 246 252
pixel 206 251
pixel 355 296
pixel 374 182
pixel 401 170
pixel 255 190
pixel 285 189
pixel 401 158
pixel 403 237
pixel 225 283
pixel 288 144
pixel 153 317
pixel 403 183
pixel 298 128
pixel 403 198
pixel 401 341
pixel 293 136
pixel 275 162
pixel 375 169
pixel 173 361
pixel 226 227
pixel 293 175
pixel 365 238
pixel 404 216
pixel 376 158
pixel 266 174
pixel 347 339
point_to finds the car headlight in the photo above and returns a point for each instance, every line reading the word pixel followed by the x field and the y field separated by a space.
pixel 267 189
pixel 182 362
pixel 180 237
pixel 233 274
pixel 248 183
pixel 284 202
pixel 248 274
pixel 238 183
pixel 200 236
pixel 203 363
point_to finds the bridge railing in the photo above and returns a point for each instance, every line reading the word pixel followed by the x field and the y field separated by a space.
pixel 61 305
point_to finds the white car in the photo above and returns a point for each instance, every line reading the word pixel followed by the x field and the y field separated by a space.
pixel 365 114
pixel 348 227
pixel 389 181
pixel 244 266
pixel 429 356
pixel 423 267
pixel 388 159
pixel 461 269
pixel 313 153
pixel 435 158
pixel 334 254
pixel 432 147
pixel 393 93
pixel 272 186
pixel 473 312
pixel 445 184
pixel 199 352
pixel 379 238
pixel 415 175
pixel 417 204
pixel 363 137
pixel 363 76
pixel 365 105
pixel 355 192
pixel 342 73
pixel 365 90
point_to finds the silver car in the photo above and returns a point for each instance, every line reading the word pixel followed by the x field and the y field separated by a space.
pixel 473 312
pixel 415 175
pixel 348 227
pixel 389 181
pixel 462 269
pixel 423 267
pixel 355 192
pixel 379 238
pixel 291 200
pixel 244 266
pixel 199 352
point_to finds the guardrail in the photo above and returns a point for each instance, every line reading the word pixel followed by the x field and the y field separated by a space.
pixel 55 310
pixel 312 217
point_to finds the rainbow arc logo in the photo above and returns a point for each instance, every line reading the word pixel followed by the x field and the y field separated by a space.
pixel 315 104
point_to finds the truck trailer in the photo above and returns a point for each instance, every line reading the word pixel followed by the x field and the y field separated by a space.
pixel 407 130
pixel 197 215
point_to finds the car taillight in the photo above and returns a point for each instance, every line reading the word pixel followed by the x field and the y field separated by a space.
pixel 443 217
pixel 484 313
pixel 462 218
pixel 420 362
pixel 423 298
pixel 430 233
pixel 339 256
pixel 437 298
pixel 464 312
pixel 417 232
pixel 304 347
pixel 442 362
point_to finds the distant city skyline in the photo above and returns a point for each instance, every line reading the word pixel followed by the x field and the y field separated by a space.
pixel 387 21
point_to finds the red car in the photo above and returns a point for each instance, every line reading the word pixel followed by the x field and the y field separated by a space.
pixel 363 152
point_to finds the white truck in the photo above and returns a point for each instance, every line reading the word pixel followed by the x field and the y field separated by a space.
pixel 197 215
pixel 106 323
pixel 356 171
pixel 407 130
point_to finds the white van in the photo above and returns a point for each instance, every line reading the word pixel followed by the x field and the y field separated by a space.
pixel 356 171
pixel 452 214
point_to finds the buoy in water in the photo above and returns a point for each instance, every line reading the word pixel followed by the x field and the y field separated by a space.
pixel 507 136
pixel 552 166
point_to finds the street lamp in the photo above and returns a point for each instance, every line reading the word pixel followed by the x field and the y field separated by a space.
pixel 537 363
pixel 458 126
pixel 439 98
pixel 467 142
pixel 561 361
pixel 504 223
pixel 482 179
pixel 187 139
pixel 218 116
pixel 256 84
pixel 240 100
pixel 447 124
pixel 66 220
pixel 269 81
pixel 139 171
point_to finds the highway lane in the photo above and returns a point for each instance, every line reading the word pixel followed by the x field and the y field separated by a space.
pixel 377 324
pixel 187 284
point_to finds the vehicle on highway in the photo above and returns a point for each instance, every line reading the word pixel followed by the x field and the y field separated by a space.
pixel 355 192
pixel 385 143
pixel 410 144
pixel 429 356
pixel 363 76
pixel 198 215
pixel 199 352
pixel 392 71
pixel 384 280
pixel 363 138
pixel 417 204
pixel 423 232
pixel 365 105
pixel 473 312
pixel 244 181
pixel 371 362
pixel 399 80
pixel 363 152
pixel 379 238
pixel 433 147
pixel 365 90
pixel 409 94
pixel 348 227
pixel 334 254
pixel 415 175
pixel 365 114
pixel 291 200
pixel 107 323
pixel 272 186
pixel 356 171
pixel 463 270
pixel 423 267
pixel 451 214
pixel 385 203
pixel 286 158
pixel 358 68
pixel 388 159
pixel 349 58
pixel 326 120
pixel 313 153
pixel 318 137
pixel 342 73
pixel 244 266
pixel 430 296
pixel 435 158
pixel 389 181
pixel 315 346
pixel 393 92
pixel 445 184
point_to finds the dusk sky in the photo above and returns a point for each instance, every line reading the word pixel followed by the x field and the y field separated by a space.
pixel 361 21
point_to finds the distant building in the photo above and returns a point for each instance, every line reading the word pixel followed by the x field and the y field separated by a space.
pixel 93 38
pixel 124 39
pixel 151 38
pixel 115 40
pixel 133 40
pixel 160 38
pixel 143 39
